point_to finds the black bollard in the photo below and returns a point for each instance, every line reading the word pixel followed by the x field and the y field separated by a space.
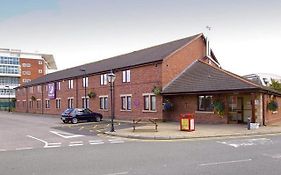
pixel 249 123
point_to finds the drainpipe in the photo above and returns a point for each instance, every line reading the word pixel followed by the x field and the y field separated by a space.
pixel 42 99
pixel 263 110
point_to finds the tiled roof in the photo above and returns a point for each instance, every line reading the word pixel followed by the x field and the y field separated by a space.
pixel 144 56
pixel 202 77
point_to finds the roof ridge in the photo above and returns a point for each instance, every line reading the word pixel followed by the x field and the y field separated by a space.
pixel 232 74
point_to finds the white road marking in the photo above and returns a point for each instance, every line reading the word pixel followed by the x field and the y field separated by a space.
pixel 1 150
pixel 76 143
pixel 96 142
pixel 227 162
pixel 24 148
pixel 66 135
pixel 274 156
pixel 246 142
pixel 46 144
pixel 116 141
pixel 120 173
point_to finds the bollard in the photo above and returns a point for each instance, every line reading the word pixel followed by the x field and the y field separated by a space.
pixel 249 123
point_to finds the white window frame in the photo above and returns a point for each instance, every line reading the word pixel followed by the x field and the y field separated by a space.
pixel 126 76
pixel 58 86
pixel 70 99
pixel 85 81
pixel 103 105
pixel 40 62
pixel 38 103
pixel 47 104
pixel 126 106
pixel 58 103
pixel 39 88
pixel 150 108
pixel 87 100
pixel 103 79
pixel 70 84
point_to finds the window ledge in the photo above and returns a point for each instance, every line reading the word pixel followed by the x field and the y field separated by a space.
pixel 104 110
pixel 149 111
pixel 123 110
pixel 204 112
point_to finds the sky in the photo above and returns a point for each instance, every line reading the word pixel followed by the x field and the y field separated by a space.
pixel 245 35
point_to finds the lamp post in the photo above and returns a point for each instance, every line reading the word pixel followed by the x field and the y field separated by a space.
pixel 85 90
pixel 111 77
pixel 8 87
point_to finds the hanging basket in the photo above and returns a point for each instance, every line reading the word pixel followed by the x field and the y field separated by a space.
pixel 156 90
pixel 272 106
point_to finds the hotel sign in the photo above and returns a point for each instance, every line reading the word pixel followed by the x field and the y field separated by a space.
pixel 51 91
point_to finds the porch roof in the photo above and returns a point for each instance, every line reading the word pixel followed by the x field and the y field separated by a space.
pixel 201 77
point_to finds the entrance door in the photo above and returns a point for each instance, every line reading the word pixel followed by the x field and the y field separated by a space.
pixel 240 110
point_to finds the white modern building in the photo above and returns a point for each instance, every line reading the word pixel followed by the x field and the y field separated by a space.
pixel 264 79
pixel 16 68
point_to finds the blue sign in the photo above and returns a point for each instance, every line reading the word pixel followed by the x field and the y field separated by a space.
pixel 51 91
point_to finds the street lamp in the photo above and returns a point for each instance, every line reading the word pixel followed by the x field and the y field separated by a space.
pixel 8 87
pixel 111 77
pixel 85 90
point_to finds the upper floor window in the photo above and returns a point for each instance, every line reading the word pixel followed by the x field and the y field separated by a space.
pixel 126 76
pixel 26 80
pixel 70 84
pixel 40 71
pixel 85 82
pixel 39 89
pixel 40 62
pixel 58 86
pixel 149 102
pixel 7 69
pixel 205 103
pixel 103 79
pixel 26 72
pixel 31 89
pixel 26 65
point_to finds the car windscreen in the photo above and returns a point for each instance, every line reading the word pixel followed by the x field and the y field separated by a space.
pixel 68 111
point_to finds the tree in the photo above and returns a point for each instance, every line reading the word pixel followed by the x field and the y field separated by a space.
pixel 275 85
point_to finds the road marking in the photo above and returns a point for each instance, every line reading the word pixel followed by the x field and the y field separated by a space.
pixel 2 150
pixel 96 142
pixel 227 162
pixel 246 142
pixel 120 173
pixel 274 156
pixel 81 128
pixel 24 148
pixel 66 135
pixel 76 143
pixel 46 144
pixel 116 141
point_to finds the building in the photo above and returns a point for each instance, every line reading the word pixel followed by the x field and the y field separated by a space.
pixel 263 79
pixel 185 71
pixel 16 68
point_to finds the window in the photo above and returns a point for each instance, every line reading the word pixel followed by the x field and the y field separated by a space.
pixel 40 71
pixel 40 62
pixel 205 103
pixel 47 103
pixel 26 65
pixel 83 102
pixel 103 79
pixel 103 102
pixel 39 89
pixel 70 84
pixel 58 103
pixel 126 76
pixel 38 103
pixel 30 104
pixel 70 102
pixel 26 80
pixel 58 85
pixel 149 102
pixel 26 72
pixel 30 89
pixel 126 101
pixel 85 82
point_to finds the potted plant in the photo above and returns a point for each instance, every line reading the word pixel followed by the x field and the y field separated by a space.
pixel 219 107
pixel 272 106
pixel 156 90
pixel 33 98
pixel 91 94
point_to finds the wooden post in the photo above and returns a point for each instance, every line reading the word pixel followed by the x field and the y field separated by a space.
pixel 253 97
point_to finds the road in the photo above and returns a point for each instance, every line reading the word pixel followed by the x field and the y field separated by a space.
pixel 245 155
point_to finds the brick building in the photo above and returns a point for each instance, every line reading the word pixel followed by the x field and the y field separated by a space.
pixel 138 77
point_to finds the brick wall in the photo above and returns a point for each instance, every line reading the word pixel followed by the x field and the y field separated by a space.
pixel 272 117
pixel 188 104
pixel 33 69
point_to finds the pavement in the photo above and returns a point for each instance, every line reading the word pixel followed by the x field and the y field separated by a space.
pixel 171 131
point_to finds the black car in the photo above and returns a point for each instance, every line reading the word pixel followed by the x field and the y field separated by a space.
pixel 74 115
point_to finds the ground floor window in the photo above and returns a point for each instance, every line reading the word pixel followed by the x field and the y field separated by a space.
pixel 30 104
pixel 85 103
pixel 205 103
pixel 58 103
pixel 149 102
pixel 126 102
pixel 70 102
pixel 38 104
pixel 103 102
pixel 47 103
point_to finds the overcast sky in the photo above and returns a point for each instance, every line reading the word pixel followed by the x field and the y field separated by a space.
pixel 245 34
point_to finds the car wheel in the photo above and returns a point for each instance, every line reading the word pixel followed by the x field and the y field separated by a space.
pixel 98 118
pixel 64 121
pixel 74 121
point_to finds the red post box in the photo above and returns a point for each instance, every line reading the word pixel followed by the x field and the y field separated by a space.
pixel 187 122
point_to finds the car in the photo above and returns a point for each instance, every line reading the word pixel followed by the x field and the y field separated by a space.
pixel 74 115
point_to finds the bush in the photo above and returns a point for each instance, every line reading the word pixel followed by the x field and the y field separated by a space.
pixel 272 105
